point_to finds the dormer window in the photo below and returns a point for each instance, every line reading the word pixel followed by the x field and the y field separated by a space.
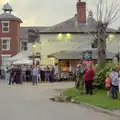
pixel 5 26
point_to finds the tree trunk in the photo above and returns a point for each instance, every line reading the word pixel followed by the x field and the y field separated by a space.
pixel 101 33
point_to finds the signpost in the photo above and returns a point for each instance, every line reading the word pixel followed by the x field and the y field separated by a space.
pixel 87 57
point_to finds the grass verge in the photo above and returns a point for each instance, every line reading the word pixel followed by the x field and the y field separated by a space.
pixel 99 98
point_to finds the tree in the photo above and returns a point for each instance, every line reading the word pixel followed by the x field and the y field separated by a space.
pixel 105 16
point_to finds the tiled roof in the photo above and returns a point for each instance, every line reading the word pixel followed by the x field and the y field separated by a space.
pixel 9 16
pixel 66 55
pixel 24 31
pixel 68 26
pixel 71 25
pixel 70 55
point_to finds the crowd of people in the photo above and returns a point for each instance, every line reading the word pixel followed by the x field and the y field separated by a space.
pixel 111 82
pixel 18 74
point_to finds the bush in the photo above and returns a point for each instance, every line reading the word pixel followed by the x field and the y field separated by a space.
pixel 95 68
pixel 100 75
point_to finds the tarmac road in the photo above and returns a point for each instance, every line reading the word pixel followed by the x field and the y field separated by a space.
pixel 27 102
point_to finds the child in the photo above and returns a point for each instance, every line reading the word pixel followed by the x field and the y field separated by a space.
pixel 108 84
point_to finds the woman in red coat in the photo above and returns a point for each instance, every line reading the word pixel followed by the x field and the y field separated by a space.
pixel 88 78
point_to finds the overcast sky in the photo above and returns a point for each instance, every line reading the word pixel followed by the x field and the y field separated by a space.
pixel 48 12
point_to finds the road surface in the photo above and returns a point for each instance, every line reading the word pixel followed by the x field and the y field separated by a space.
pixel 29 102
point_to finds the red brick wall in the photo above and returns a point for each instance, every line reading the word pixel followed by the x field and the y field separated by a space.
pixel 81 11
pixel 14 34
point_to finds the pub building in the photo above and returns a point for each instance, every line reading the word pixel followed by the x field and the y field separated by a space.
pixel 67 60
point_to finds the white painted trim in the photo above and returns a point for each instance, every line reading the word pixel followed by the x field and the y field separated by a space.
pixel 8 26
pixel 5 21
pixel 6 55
pixel 6 38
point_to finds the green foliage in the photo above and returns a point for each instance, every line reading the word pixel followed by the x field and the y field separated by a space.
pixel 95 68
pixel 98 98
pixel 100 74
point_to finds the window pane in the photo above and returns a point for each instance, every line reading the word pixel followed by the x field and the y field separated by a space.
pixel 5 24
pixel 5 44
pixel 24 43
pixel 25 48
pixel 4 47
pixel 5 60
pixel 5 28
pixel 5 41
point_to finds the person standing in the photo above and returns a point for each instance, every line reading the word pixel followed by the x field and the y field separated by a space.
pixel 23 74
pixel 114 83
pixel 47 74
pixel 52 71
pixel 17 76
pixel 79 74
pixel 7 74
pixel 11 78
pixel 39 74
pixel 35 75
pixel 88 79
pixel 108 84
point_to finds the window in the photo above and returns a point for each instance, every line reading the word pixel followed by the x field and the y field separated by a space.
pixel 65 66
pixel 24 46
pixel 5 59
pixel 5 26
pixel 5 43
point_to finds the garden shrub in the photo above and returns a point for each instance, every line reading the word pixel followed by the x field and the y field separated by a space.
pixel 100 75
pixel 95 68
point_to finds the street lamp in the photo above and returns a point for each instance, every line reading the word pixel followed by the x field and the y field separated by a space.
pixel 61 36
pixel 110 38
pixel 40 47
pixel 33 53
pixel 68 36
pixel 33 36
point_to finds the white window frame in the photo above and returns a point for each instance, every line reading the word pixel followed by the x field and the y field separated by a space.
pixel 9 55
pixel 5 38
pixel 23 46
pixel 6 55
pixel 3 26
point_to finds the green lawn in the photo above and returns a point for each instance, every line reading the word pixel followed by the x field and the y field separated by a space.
pixel 99 98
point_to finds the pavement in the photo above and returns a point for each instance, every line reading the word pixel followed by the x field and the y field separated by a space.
pixel 27 102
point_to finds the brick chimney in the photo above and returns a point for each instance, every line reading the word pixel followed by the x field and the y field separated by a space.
pixel 81 12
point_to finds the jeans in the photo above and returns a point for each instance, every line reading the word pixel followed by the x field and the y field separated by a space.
pixel 35 79
pixel 47 77
pixel 114 91
pixel 7 76
pixel 23 77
